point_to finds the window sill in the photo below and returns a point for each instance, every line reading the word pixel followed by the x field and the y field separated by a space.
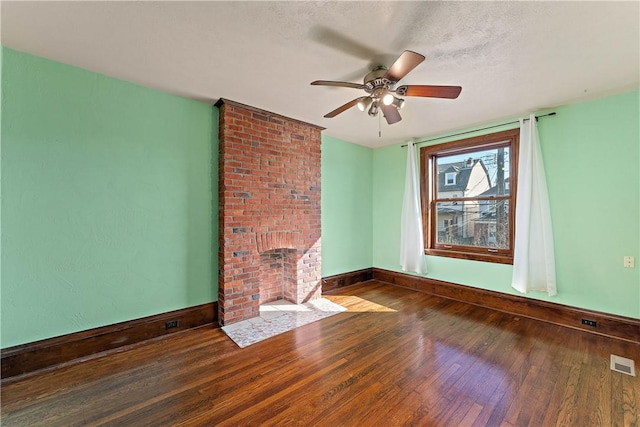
pixel 473 256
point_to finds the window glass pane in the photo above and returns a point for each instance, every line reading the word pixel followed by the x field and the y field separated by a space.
pixel 481 223
pixel 481 173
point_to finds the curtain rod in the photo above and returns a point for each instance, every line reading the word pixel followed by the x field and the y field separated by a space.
pixel 478 130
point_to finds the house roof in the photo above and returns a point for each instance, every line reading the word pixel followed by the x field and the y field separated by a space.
pixel 511 58
pixel 494 190
pixel 463 173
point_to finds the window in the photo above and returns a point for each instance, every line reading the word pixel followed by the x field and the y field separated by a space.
pixel 477 221
pixel 450 178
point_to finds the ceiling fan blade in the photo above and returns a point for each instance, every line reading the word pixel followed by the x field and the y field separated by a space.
pixel 337 84
pixel 405 63
pixel 391 113
pixel 342 108
pixel 342 42
pixel 426 91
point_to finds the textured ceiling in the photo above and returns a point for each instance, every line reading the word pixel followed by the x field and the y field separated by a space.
pixel 510 58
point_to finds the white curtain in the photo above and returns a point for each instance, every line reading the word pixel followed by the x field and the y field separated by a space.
pixel 411 244
pixel 533 260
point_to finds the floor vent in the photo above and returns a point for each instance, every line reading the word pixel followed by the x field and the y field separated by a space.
pixel 623 365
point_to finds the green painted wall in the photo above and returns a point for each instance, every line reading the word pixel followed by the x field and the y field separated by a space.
pixel 109 203
pixel 591 153
pixel 107 206
pixel 346 206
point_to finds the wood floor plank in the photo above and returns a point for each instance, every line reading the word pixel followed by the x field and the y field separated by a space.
pixel 471 416
pixel 396 358
pixel 400 409
pixel 631 401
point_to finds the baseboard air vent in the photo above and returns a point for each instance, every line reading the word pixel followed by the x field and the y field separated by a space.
pixel 623 365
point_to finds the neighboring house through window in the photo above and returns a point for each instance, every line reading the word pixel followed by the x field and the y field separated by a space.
pixel 468 196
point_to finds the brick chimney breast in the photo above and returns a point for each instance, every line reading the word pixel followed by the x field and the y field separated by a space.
pixel 269 222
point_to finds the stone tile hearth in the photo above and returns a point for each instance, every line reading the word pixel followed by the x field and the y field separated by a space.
pixel 277 317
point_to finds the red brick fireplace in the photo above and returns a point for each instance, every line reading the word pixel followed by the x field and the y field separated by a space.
pixel 269 197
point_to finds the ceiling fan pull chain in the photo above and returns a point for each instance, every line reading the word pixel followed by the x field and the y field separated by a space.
pixel 379 125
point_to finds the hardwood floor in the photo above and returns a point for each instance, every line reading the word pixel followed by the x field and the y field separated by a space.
pixel 397 357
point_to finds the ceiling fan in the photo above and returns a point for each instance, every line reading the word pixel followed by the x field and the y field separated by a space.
pixel 380 85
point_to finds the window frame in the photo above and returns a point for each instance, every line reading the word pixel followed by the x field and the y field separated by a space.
pixel 428 187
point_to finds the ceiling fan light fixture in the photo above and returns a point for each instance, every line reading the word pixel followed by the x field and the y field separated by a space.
pixel 388 98
pixel 373 111
pixel 363 103
pixel 398 103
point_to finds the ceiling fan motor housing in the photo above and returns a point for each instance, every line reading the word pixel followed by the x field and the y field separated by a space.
pixel 375 81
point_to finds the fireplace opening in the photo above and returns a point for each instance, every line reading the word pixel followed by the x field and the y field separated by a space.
pixel 278 275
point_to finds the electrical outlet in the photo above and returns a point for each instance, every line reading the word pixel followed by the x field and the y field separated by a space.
pixel 172 324
pixel 629 261
pixel 589 322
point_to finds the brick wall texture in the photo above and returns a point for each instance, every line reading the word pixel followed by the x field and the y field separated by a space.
pixel 269 196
